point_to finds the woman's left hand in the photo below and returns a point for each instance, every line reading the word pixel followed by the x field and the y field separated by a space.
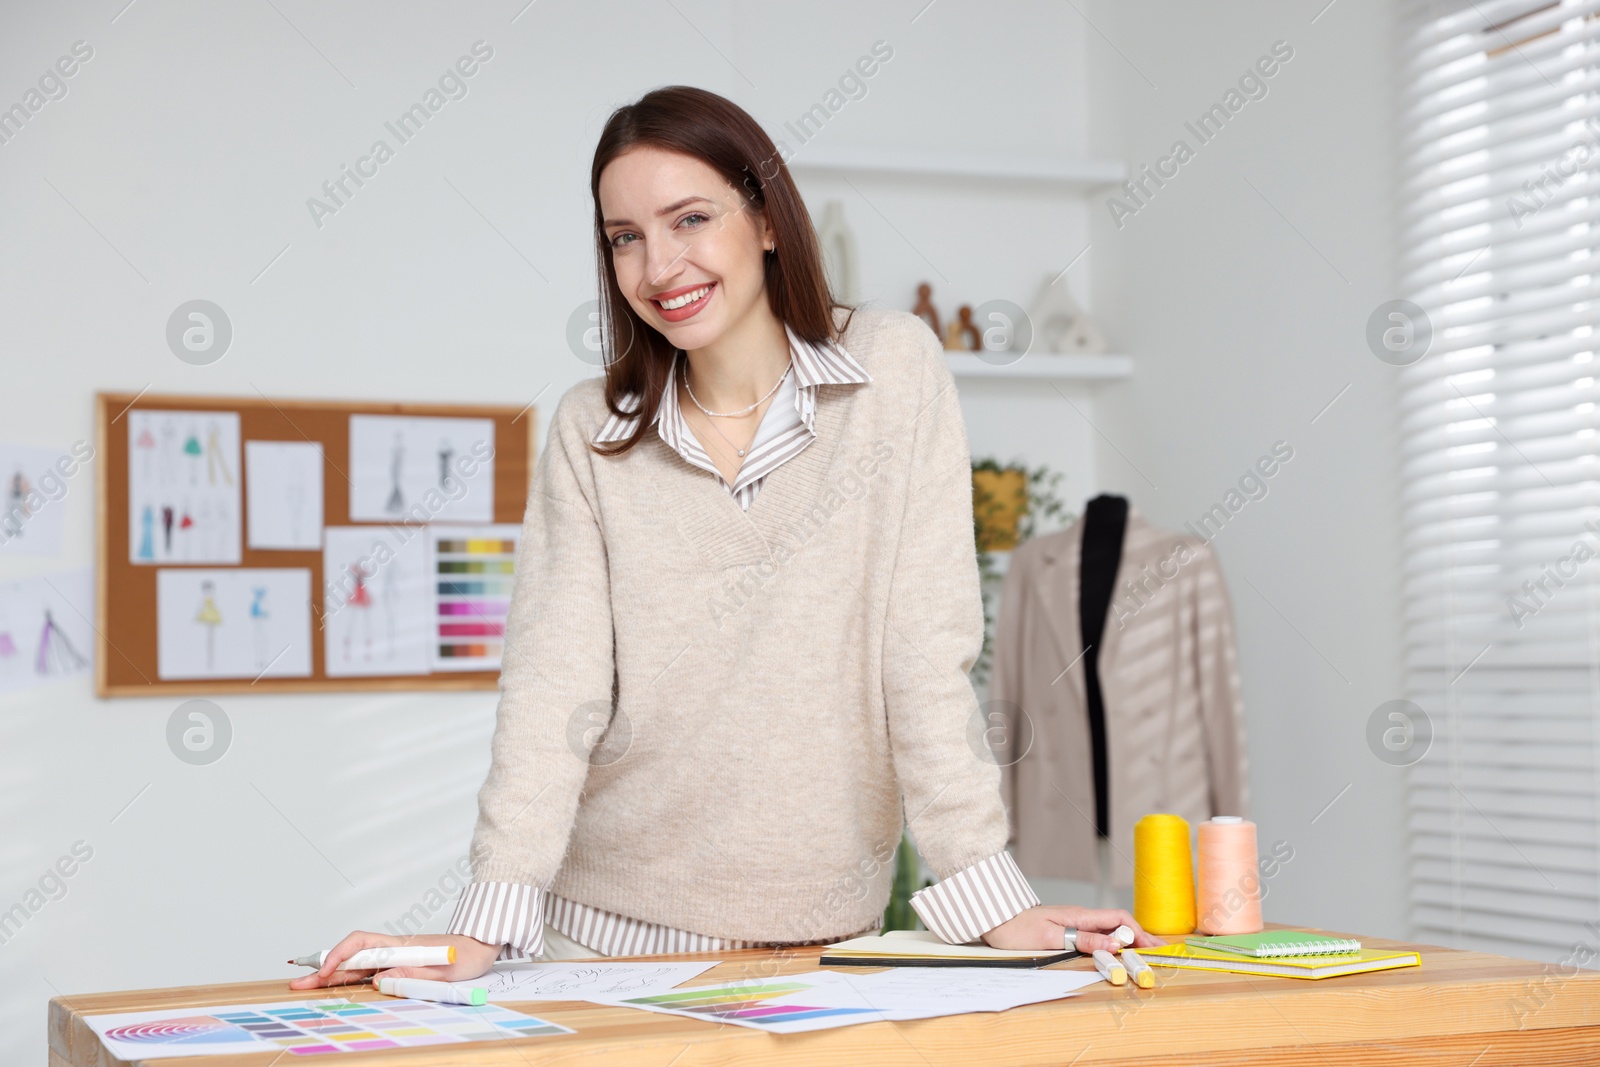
pixel 1041 928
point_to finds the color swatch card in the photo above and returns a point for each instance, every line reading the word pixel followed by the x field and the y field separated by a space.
pixel 821 1000
pixel 421 469
pixel 183 487
pixel 310 1028
pixel 233 622
pixel 473 579
pixel 377 602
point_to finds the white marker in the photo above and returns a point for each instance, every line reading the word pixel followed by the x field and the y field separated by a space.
pixel 441 992
pixel 1111 970
pixel 1140 971
pixel 1123 936
pixel 387 956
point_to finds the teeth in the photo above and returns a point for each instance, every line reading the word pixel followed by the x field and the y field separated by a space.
pixel 686 298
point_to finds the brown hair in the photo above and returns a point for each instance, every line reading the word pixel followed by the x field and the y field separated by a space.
pixel 721 134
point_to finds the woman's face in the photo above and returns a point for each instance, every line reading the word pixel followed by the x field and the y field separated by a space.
pixel 682 235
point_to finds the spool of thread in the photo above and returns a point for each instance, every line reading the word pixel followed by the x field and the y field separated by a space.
pixel 1163 875
pixel 1229 880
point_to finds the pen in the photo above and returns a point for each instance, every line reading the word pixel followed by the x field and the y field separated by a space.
pixel 1141 972
pixel 1111 970
pixel 440 992
pixel 387 956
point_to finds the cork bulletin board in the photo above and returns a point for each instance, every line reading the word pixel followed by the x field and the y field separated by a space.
pixel 195 594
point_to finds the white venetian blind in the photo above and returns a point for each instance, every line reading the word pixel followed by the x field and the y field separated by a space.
pixel 1499 119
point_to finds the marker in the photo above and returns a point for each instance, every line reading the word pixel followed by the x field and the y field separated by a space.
pixel 1109 968
pixel 1123 936
pixel 1140 971
pixel 440 992
pixel 387 956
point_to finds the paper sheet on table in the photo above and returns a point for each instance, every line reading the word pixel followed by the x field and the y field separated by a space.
pixel 585 979
pixel 820 1000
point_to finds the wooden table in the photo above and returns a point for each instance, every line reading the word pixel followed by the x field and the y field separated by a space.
pixel 1458 1008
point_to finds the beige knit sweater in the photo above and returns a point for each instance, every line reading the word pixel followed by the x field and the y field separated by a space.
pixel 771 682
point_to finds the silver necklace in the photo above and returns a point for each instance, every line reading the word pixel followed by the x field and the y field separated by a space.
pixel 733 415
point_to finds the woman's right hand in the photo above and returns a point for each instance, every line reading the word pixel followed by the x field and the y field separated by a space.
pixel 473 958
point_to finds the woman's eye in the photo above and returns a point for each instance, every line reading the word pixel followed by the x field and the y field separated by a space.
pixel 696 215
pixel 616 242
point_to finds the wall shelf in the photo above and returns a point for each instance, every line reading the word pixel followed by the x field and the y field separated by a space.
pixel 1043 366
pixel 1079 173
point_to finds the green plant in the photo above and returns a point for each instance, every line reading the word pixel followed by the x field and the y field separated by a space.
pixel 1043 505
pixel 900 915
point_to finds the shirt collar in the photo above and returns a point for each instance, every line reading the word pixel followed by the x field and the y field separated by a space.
pixel 826 364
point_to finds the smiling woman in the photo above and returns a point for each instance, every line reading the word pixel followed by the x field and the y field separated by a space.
pixel 746 604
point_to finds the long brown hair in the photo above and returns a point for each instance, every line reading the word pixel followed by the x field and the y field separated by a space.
pixel 715 130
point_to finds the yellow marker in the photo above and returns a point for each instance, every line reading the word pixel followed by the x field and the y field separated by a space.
pixel 1140 971
pixel 1109 968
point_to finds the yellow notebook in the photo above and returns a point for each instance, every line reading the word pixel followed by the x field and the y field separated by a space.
pixel 1180 955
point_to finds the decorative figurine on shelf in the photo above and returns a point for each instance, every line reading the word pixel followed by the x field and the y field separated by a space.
pixel 963 335
pixel 838 243
pixel 926 311
pixel 1060 325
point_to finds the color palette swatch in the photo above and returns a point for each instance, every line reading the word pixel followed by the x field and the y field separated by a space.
pixel 752 1004
pixel 311 1027
pixel 473 575
pixel 819 1000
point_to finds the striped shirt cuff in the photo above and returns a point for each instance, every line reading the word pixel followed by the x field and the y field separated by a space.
pixel 964 906
pixel 509 914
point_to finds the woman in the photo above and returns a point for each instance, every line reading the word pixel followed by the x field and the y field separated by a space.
pixel 736 658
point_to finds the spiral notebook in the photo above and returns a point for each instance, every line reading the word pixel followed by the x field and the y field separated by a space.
pixel 1276 944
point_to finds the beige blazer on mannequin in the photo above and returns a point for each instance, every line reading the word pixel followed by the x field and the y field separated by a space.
pixel 1175 739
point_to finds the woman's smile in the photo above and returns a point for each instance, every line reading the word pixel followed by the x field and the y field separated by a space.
pixel 685 302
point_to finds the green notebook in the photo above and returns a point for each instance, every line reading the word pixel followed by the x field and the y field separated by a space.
pixel 1276 943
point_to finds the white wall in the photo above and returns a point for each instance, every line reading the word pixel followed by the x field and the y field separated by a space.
pixel 1243 288
pixel 179 164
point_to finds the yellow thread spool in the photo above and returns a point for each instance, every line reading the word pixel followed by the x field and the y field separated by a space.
pixel 1163 875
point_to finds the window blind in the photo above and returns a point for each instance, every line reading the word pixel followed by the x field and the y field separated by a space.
pixel 1499 153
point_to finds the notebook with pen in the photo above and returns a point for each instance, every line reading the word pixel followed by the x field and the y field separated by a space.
pixel 924 948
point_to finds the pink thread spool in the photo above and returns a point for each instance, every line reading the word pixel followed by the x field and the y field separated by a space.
pixel 1228 886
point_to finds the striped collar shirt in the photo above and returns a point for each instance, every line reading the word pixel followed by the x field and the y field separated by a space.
pixel 785 430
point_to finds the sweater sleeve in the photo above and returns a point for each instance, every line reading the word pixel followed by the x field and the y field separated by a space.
pixel 556 683
pixel 933 633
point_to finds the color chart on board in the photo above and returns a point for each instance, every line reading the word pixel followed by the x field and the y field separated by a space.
pixel 473 577
pixel 311 1028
